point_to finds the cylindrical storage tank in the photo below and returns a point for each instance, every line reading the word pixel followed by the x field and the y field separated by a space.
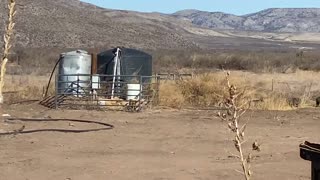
pixel 132 62
pixel 73 67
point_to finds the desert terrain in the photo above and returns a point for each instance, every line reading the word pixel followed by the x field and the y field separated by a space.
pixel 156 144
pixel 272 57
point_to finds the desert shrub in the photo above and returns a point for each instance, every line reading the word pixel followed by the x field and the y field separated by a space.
pixel 171 95
pixel 274 101
pixel 277 61
pixel 203 90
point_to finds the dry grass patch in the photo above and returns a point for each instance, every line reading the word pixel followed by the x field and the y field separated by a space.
pixel 274 101
pixel 27 87
pixel 207 89
pixel 171 95
pixel 203 90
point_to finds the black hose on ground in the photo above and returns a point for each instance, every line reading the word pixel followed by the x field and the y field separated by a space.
pixel 22 131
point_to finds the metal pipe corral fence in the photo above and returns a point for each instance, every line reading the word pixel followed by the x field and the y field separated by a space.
pixel 129 93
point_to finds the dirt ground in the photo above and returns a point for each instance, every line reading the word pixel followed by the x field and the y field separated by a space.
pixel 154 145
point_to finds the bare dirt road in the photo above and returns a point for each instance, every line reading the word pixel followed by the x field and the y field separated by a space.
pixel 154 145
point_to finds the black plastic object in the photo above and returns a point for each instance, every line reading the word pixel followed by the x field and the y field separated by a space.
pixel 311 152
pixel 133 62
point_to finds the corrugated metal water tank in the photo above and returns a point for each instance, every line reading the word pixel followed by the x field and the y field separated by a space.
pixel 133 62
pixel 74 62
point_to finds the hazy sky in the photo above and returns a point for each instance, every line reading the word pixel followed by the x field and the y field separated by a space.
pixel 238 7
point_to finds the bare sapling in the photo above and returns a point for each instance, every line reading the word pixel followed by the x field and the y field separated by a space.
pixel 234 110
pixel 7 43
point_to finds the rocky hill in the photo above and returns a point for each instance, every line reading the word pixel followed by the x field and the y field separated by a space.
pixel 270 20
pixel 72 23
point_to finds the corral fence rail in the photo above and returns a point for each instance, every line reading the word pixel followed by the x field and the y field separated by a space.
pixel 174 76
pixel 120 92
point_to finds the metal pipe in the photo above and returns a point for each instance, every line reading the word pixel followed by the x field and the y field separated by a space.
pixel 118 67
pixel 114 72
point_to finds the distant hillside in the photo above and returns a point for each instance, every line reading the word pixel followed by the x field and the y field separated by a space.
pixel 72 23
pixel 270 20
pixel 75 24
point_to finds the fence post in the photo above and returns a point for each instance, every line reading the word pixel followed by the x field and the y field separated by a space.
pixel 56 91
pixel 140 94
pixel 78 85
pixel 157 90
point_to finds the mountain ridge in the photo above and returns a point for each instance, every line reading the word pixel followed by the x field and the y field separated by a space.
pixel 268 20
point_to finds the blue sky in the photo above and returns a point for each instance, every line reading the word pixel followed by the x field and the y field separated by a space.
pixel 238 7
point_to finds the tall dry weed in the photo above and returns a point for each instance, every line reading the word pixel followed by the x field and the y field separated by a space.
pixel 7 44
pixel 232 115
